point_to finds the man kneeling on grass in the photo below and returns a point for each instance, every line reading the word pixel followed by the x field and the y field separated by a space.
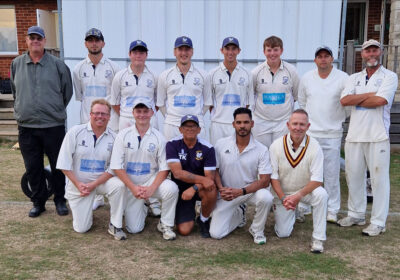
pixel 85 158
pixel 139 160
pixel 243 173
pixel 297 174
pixel 192 163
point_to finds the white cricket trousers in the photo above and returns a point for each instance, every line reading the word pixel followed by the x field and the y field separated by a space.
pixel 227 215
pixel 81 206
pixel 331 150
pixel 267 132
pixel 136 210
pixel 284 219
pixel 172 131
pixel 220 130
pixel 375 156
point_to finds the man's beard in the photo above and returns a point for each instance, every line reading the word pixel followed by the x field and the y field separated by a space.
pixel 95 53
pixel 373 64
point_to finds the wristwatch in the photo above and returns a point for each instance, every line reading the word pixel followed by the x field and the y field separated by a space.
pixel 196 188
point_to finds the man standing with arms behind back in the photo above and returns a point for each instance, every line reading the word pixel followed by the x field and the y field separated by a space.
pixel 42 87
pixel 231 88
pixel 275 85
pixel 182 90
pixel 93 76
pixel 92 80
pixel 319 95
pixel 370 94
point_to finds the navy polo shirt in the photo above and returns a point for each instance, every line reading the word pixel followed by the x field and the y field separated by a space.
pixel 195 160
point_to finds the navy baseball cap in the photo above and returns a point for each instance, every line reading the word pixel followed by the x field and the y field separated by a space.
pixel 94 32
pixel 142 100
pixel 138 44
pixel 183 41
pixel 36 30
pixel 323 48
pixel 188 118
pixel 230 41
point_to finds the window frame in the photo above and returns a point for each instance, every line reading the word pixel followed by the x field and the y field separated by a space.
pixel 8 53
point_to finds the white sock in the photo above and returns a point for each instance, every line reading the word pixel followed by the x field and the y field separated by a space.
pixel 203 219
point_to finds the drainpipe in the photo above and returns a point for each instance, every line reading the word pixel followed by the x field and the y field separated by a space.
pixel 342 31
pixel 60 29
pixel 382 31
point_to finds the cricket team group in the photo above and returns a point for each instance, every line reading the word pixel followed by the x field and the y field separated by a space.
pixel 262 150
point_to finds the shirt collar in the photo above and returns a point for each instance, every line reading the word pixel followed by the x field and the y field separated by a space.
pixel 250 146
pixel 223 67
pixel 42 61
pixel 290 142
pixel 190 69
pixel 102 60
pixel 269 68
pixel 148 132
pixel 131 72
pixel 89 128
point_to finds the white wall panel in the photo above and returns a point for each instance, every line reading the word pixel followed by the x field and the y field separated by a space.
pixel 303 26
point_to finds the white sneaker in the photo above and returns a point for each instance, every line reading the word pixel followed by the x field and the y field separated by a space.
pixel 317 246
pixel 331 218
pixel 118 233
pixel 373 230
pixel 98 202
pixel 259 238
pixel 243 208
pixel 155 208
pixel 299 216
pixel 350 221
pixel 167 231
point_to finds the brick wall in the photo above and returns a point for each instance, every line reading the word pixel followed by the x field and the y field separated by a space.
pixel 25 14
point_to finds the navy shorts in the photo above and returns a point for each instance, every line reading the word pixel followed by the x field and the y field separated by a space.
pixel 185 209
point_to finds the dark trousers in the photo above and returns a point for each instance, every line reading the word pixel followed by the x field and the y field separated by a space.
pixel 34 143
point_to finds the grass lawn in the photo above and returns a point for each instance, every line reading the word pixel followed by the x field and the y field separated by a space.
pixel 48 248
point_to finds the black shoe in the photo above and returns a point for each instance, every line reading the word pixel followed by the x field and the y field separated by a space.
pixel 204 227
pixel 61 208
pixel 36 211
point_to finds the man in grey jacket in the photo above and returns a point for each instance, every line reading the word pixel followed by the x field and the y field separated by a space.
pixel 42 87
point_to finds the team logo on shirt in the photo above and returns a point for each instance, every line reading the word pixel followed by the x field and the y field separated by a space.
pixel 220 81
pixel 199 155
pixel 241 81
pixel 227 152
pixel 182 155
pixel 378 83
pixel 358 84
pixel 83 144
pixel 127 84
pixel 108 74
pixel 173 81
pixel 85 75
pixel 263 81
pixel 129 145
pixel 149 83
pixel 151 148
pixel 285 80
pixel 196 81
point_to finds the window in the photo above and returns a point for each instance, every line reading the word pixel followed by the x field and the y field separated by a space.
pixel 8 31
pixel 355 22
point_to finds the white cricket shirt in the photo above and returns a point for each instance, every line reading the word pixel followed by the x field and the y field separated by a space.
pixel 142 158
pixel 275 94
pixel 371 124
pixel 86 157
pixel 229 92
pixel 183 96
pixel 321 99
pixel 91 83
pixel 126 88
pixel 238 170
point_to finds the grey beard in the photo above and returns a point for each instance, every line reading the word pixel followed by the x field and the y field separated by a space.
pixel 372 64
